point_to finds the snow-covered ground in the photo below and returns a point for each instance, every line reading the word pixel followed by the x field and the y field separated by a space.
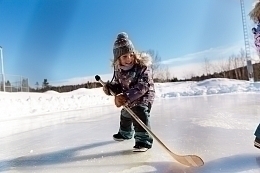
pixel 72 132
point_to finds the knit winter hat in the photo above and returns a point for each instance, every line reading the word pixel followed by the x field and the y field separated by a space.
pixel 122 45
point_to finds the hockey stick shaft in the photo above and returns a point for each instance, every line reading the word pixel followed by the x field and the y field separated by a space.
pixel 189 160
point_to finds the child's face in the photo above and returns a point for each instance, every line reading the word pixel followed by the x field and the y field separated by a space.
pixel 126 59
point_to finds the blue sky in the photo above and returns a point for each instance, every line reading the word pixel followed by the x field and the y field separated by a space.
pixel 63 39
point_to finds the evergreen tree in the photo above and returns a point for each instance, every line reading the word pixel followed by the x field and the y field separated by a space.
pixel 45 83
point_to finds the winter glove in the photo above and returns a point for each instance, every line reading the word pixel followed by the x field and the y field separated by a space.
pixel 120 100
pixel 106 90
pixel 115 88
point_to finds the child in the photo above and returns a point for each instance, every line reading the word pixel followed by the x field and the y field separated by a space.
pixel 257 139
pixel 255 17
pixel 134 86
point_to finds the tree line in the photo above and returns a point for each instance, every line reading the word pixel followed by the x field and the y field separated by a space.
pixel 233 68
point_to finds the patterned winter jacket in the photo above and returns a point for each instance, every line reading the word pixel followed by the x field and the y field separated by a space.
pixel 257 41
pixel 136 84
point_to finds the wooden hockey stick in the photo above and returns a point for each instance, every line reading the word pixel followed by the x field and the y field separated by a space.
pixel 188 160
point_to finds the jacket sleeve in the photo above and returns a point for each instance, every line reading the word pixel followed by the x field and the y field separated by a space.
pixel 142 85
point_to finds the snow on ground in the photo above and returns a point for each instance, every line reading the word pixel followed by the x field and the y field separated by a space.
pixel 15 105
pixel 214 119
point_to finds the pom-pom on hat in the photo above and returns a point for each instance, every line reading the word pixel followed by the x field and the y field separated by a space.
pixel 122 45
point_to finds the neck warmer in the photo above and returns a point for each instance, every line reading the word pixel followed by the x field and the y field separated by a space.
pixel 126 67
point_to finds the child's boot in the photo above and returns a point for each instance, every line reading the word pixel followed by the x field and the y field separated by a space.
pixel 141 147
pixel 119 137
pixel 257 143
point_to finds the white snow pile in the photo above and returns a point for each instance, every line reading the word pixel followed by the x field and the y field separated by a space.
pixel 23 104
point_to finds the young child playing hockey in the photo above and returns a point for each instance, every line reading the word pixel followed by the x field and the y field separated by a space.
pixel 255 17
pixel 134 86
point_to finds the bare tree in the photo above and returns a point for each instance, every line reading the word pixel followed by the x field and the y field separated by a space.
pixel 167 74
pixel 189 75
pixel 156 62
pixel 242 60
pixel 237 61
pixel 223 66
pixel 160 74
pixel 163 74
pixel 207 66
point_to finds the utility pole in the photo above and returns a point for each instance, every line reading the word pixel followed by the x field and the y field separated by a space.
pixel 247 45
pixel 2 67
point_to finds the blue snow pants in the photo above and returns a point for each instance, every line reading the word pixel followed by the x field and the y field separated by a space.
pixel 130 127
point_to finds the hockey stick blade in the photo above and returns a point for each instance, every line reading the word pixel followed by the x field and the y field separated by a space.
pixel 188 160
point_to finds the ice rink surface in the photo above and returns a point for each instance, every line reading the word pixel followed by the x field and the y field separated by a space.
pixel 218 128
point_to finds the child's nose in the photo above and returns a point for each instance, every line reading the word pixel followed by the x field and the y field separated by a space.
pixel 127 57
